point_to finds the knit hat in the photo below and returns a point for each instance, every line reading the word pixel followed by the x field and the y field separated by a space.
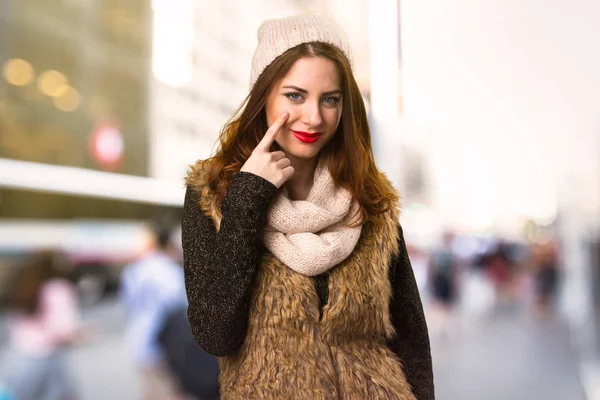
pixel 276 36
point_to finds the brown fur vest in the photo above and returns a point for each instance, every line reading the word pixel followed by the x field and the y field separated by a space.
pixel 290 352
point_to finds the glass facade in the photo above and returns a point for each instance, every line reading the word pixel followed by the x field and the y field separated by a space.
pixel 68 68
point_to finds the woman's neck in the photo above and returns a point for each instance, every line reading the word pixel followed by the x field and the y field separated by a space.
pixel 299 185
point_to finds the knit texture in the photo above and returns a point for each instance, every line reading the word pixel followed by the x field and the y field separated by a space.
pixel 219 264
pixel 276 36
pixel 310 236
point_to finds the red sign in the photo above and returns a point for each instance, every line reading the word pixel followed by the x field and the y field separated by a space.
pixel 106 145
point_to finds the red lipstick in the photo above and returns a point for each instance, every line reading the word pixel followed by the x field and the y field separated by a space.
pixel 307 137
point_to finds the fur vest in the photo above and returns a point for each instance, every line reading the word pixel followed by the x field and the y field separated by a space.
pixel 292 351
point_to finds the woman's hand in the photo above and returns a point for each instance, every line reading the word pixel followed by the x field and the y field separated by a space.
pixel 272 166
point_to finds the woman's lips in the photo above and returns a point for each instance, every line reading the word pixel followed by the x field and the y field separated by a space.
pixel 307 137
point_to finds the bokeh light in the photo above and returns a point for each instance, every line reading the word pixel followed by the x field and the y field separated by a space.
pixel 69 100
pixel 53 83
pixel 18 72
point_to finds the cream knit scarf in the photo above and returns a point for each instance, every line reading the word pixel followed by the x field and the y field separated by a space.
pixel 310 236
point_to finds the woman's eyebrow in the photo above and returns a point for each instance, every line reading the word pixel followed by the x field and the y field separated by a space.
pixel 296 88
pixel 337 91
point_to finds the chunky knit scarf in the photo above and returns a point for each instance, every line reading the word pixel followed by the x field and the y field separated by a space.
pixel 310 236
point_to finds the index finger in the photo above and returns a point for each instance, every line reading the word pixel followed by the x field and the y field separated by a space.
pixel 271 133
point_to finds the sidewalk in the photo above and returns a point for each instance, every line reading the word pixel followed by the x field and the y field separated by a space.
pixel 507 356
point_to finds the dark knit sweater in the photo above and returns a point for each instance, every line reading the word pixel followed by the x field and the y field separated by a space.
pixel 220 268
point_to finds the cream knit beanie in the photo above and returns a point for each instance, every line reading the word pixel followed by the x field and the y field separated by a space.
pixel 276 36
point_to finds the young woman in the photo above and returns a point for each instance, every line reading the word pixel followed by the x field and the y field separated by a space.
pixel 296 270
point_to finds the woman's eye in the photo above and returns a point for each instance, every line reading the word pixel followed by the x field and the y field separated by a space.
pixel 294 96
pixel 330 100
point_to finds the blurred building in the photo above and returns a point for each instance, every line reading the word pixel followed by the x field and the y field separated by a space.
pixel 68 68
pixel 200 63
pixel 73 93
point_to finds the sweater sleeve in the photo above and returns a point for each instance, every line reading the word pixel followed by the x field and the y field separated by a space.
pixel 411 343
pixel 219 267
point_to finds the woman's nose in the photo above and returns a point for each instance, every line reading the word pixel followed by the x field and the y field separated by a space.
pixel 312 114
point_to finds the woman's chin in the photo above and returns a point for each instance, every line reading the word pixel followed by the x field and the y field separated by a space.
pixel 302 155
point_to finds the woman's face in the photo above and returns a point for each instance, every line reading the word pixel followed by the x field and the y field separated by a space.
pixel 311 94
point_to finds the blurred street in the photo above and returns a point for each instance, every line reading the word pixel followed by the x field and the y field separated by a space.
pixel 102 368
pixel 506 357
pixel 490 135
pixel 523 359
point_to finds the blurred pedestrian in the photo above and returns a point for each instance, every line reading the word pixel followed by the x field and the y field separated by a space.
pixel 443 267
pixel 502 271
pixel 547 275
pixel 151 287
pixel 196 371
pixel 158 333
pixel 43 322
pixel 444 277
pixel 296 268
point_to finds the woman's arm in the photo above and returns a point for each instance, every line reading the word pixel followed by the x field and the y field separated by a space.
pixel 219 267
pixel 411 343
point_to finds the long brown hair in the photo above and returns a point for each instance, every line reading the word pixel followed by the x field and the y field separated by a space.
pixel 37 269
pixel 348 155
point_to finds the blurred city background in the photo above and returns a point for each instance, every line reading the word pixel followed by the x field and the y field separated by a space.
pixel 485 115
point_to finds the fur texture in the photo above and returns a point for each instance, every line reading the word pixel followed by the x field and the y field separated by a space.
pixel 290 352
